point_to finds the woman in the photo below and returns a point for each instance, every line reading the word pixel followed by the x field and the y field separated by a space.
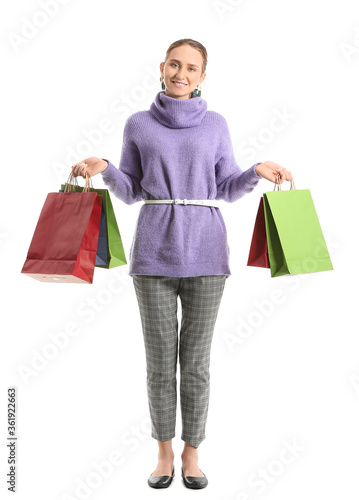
pixel 179 152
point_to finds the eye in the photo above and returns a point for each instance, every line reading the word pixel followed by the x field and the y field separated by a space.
pixel 193 69
pixel 174 64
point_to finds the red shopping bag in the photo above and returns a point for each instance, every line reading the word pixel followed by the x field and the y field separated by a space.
pixel 64 244
pixel 258 252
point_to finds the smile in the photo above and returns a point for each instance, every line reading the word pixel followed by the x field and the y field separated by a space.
pixel 177 84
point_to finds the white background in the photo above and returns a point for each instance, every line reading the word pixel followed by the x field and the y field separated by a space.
pixel 294 379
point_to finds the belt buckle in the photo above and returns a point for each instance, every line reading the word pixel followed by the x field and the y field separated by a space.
pixel 177 201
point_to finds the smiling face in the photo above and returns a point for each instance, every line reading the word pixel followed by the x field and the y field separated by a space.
pixel 182 71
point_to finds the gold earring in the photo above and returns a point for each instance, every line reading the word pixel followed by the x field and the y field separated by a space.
pixel 197 91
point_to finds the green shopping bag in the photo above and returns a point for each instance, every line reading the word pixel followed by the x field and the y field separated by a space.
pixel 115 251
pixel 295 240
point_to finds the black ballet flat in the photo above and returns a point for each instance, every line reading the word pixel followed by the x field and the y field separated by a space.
pixel 161 481
pixel 193 482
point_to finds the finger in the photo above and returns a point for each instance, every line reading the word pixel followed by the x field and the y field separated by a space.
pixel 279 171
pixel 75 171
pixel 281 175
pixel 285 175
pixel 288 175
pixel 79 172
pixel 80 169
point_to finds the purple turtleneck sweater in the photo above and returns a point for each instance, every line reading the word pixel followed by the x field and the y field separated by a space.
pixel 178 149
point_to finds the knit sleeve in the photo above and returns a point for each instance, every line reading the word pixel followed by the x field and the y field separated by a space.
pixel 232 182
pixel 125 182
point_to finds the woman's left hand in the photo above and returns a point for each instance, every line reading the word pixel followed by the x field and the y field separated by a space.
pixel 269 170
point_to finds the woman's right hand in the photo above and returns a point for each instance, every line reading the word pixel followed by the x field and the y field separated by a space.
pixel 91 166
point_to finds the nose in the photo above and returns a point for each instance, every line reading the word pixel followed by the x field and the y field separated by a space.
pixel 180 74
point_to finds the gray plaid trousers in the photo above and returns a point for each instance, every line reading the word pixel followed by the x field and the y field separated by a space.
pixel 157 299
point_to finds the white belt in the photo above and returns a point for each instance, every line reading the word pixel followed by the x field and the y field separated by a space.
pixel 205 203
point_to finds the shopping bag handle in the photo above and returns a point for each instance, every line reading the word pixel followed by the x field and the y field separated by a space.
pixel 88 184
pixel 72 182
pixel 278 186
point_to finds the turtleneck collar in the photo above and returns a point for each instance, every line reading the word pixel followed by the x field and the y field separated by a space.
pixel 178 113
